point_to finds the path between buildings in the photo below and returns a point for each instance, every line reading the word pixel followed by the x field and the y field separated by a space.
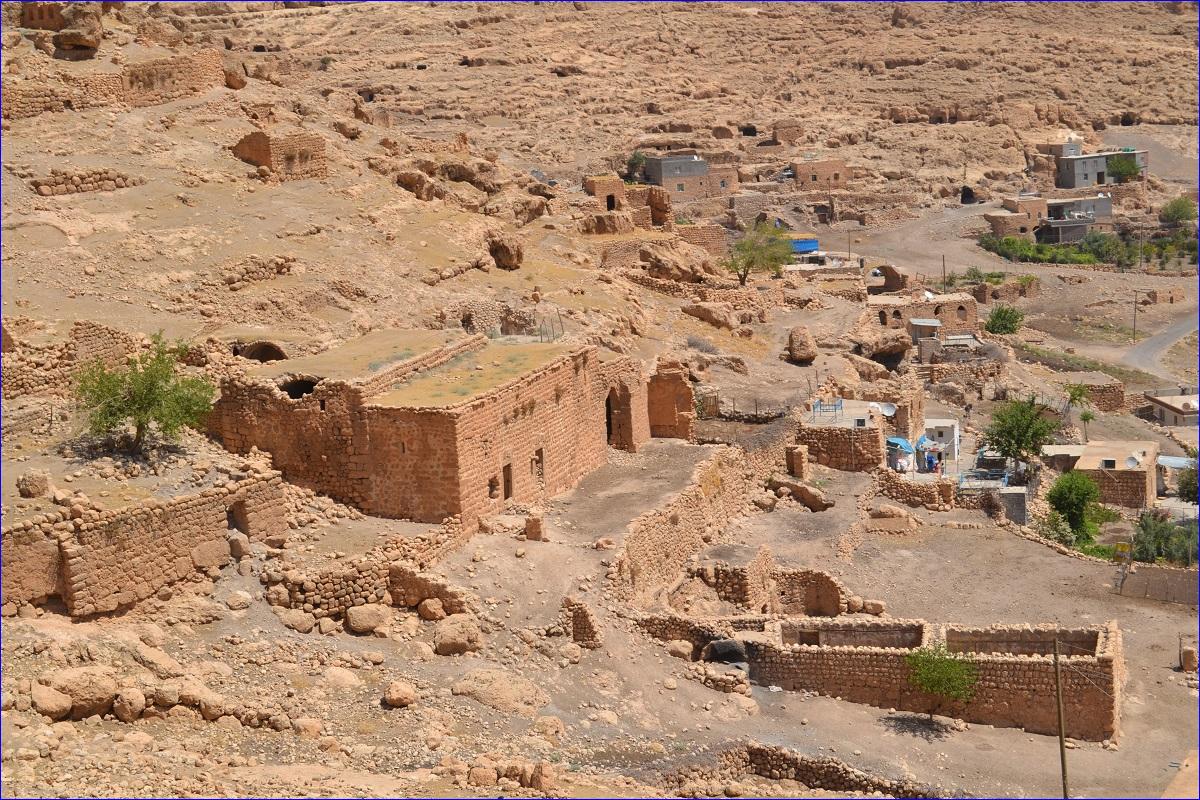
pixel 1147 354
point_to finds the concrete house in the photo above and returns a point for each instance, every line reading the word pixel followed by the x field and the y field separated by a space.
pixel 1075 169
pixel 690 177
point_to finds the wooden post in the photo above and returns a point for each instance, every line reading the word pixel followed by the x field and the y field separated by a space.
pixel 1062 742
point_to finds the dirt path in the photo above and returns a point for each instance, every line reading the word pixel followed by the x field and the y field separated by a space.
pixel 1147 354
pixel 918 245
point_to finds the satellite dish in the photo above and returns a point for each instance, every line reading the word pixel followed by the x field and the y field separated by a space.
pixel 888 409
pixel 928 295
pixel 1131 462
pixel 873 406
pixel 1188 405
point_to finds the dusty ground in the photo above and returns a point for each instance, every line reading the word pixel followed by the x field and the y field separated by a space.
pixel 569 90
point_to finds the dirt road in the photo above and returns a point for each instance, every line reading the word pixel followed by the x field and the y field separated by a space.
pixel 918 245
pixel 1147 354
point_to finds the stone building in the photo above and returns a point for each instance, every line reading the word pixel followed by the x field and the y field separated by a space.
pixel 1104 392
pixel 691 177
pixel 830 173
pixel 425 425
pixel 844 434
pixel 43 16
pixel 956 312
pixel 290 156
pixel 622 207
pixel 1126 472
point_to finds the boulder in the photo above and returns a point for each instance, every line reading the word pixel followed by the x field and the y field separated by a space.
pixel 210 554
pixel 502 690
pixel 341 678
pixel 431 609
pixel 82 28
pixel 871 340
pixel 297 619
pixel 876 607
pixel 400 694
pixel 307 727
pixel 364 619
pixel 680 648
pixel 801 348
pixel 129 704
pixel 236 601
pixel 545 777
pixel 91 689
pixel 505 249
pixel 50 702
pixel 719 315
pixel 456 634
pixel 239 545
pixel 34 483
pixel 158 662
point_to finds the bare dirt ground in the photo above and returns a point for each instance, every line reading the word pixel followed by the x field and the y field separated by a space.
pixel 920 97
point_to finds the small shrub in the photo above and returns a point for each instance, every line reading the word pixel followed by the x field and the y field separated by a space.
pixel 701 344
pixel 1054 527
pixel 1004 319
pixel 326 61
pixel 1124 168
pixel 937 671
pixel 1187 480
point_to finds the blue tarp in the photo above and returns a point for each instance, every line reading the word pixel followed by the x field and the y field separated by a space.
pixel 901 443
pixel 1174 462
pixel 805 246
pixel 925 442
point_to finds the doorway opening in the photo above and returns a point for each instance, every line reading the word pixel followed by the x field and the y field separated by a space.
pixel 610 202
pixel 237 518
pixel 508 483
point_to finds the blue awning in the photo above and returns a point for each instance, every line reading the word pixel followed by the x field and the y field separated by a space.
pixel 925 443
pixel 901 443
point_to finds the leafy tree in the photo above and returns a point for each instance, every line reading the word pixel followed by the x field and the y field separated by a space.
pixel 1085 417
pixel 763 249
pixel 1157 536
pixel 1187 480
pixel 1004 319
pixel 1181 209
pixel 1123 167
pixel 937 671
pixel 1070 496
pixel 1077 396
pixel 635 163
pixel 1019 431
pixel 146 391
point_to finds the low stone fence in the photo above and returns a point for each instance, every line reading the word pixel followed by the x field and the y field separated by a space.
pixel 99 561
pixel 778 763
pixel 34 417
pixel 577 621
pixel 659 543
pixel 849 449
pixel 51 368
pixel 940 492
pixel 62 182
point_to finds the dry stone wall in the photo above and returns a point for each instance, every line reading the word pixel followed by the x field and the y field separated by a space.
pixel 711 238
pixel 63 181
pixel 849 449
pixel 50 369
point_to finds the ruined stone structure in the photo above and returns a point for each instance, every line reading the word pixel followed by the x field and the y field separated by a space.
pixel 577 622
pixel 862 660
pixel 42 16
pixel 1009 291
pixel 428 425
pixel 712 238
pixel 139 84
pixel 98 561
pixel 291 156
pixel 61 181
pixel 671 402
pixel 44 364
pixel 1104 392
pixel 621 207
pixel 957 312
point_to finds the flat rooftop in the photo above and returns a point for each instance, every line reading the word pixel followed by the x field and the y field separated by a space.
pixel 851 410
pixel 470 375
pixel 1089 378
pixel 1105 153
pixel 1095 452
pixel 1183 403
pixel 360 359
pixel 905 299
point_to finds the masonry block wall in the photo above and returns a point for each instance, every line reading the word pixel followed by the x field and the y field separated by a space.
pixel 671 402
pixel 850 449
pixel 50 369
pixel 290 157
pixel 1129 488
pixel 61 181
pixel 710 237
pixel 958 313
pixel 815 175
pixel 43 16
pixel 100 561
pixel 142 84
pixel 1107 396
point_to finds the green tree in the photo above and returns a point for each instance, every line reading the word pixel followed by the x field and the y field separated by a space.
pixel 1085 417
pixel 1070 496
pixel 1157 536
pixel 147 391
pixel 1004 319
pixel 1181 209
pixel 1187 480
pixel 937 671
pixel 1019 431
pixel 635 163
pixel 763 249
pixel 1077 396
pixel 1123 168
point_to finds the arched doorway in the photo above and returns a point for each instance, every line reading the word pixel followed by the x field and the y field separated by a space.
pixel 618 418
pixel 260 351
pixel 967 196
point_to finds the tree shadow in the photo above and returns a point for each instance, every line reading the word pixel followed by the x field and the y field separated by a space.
pixel 919 725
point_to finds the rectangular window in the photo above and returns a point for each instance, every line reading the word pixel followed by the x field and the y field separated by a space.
pixel 941 434
pixel 1108 463
pixel 724 185
pixel 679 187
pixel 837 176
pixel 814 178
pixel 860 422
pixel 537 466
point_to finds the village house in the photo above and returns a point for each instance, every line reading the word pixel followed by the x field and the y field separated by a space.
pixel 1104 392
pixel 924 314
pixel 1075 169
pixel 290 156
pixel 830 173
pixel 424 425
pixel 1126 472
pixel 1176 410
pixel 1058 221
pixel 690 177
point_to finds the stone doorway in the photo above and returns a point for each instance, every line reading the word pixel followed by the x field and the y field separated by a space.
pixel 618 418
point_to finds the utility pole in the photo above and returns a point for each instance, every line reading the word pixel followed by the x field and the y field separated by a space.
pixel 1136 292
pixel 1062 741
pixel 944 287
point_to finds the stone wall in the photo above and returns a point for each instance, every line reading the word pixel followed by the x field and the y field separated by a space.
pixel 670 402
pixel 142 84
pixel 61 181
pixel 712 238
pixel 50 369
pixel 958 313
pixel 850 449
pixel 822 773
pixel 969 373
pixel 577 621
pixel 42 16
pixel 288 156
pixel 35 417
pixel 659 543
pixel 1125 487
pixel 1107 396
pixel 816 175
pixel 98 561
pixel 936 493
